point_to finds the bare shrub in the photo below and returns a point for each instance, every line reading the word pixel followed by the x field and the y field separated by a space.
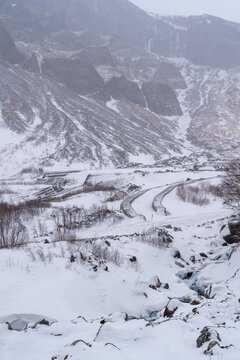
pixel 156 237
pixel 6 190
pixel 75 218
pixel 198 194
pixel 40 229
pixel 69 236
pixel 12 232
pixel 41 255
pixel 102 253
pixel 231 184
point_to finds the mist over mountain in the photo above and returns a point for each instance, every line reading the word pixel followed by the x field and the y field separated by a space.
pixel 165 79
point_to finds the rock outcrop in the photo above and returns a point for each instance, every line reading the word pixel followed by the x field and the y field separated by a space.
pixel 118 88
pixel 73 73
pixel 161 99
pixel 8 50
pixel 168 74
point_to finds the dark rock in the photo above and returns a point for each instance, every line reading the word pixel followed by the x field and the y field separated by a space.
pixel 169 313
pixel 222 227
pixel 8 50
pixel 193 259
pixel 107 243
pixel 203 255
pixel 179 264
pixel 72 258
pixel 177 254
pixel 207 335
pixel 234 227
pixel 95 268
pixel 195 302
pixel 152 287
pixel 46 241
pixel 168 74
pixel 211 345
pixel 73 73
pixel 119 87
pixel 232 239
pixel 44 322
pixel 133 259
pixel 176 229
pixel 161 99
pixel 166 286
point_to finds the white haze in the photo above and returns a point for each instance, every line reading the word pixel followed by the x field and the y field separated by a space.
pixel 227 9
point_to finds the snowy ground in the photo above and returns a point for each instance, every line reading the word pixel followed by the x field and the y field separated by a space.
pixel 120 308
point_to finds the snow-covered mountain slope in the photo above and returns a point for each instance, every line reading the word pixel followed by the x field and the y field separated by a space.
pixel 124 89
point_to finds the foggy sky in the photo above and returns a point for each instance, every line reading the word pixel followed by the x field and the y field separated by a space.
pixel 227 9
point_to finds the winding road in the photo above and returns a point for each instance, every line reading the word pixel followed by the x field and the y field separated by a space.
pixel 157 206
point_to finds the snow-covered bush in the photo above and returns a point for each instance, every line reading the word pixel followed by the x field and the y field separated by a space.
pixel 198 194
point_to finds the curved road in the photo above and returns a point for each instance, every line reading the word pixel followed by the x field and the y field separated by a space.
pixel 126 205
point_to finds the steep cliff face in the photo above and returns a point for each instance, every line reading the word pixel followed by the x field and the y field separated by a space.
pixel 161 99
pixel 169 74
pixel 8 50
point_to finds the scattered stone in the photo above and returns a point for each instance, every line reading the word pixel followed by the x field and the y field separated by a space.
pixel 211 345
pixel 176 229
pixel 44 322
pixel 177 254
pixel 95 268
pixel 107 243
pixel 195 302
pixel 133 259
pixel 207 335
pixel 166 286
pixel 169 313
pixel 234 228
pixel 179 264
pixel 46 241
pixel 152 287
pixel 222 228
pixel 193 259
pixel 203 337
pixel 203 255
pixel 232 239
pixel 72 258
